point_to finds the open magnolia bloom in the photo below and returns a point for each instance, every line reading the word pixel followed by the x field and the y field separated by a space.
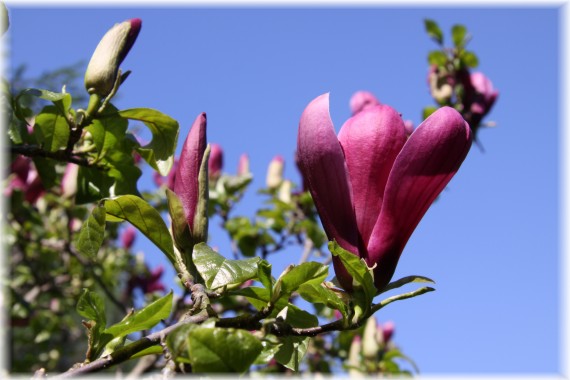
pixel 373 184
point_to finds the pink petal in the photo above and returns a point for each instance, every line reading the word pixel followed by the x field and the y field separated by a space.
pixel 371 140
pixel 322 165
pixel 362 100
pixel 429 159
pixel 186 178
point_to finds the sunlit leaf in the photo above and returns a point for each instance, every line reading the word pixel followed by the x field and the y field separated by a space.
pixel 159 153
pixel 51 129
pixel 217 271
pixel 434 31
pixel 221 350
pixel 458 33
pixel 144 217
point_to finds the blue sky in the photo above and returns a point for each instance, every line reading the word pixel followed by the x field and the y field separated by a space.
pixel 491 241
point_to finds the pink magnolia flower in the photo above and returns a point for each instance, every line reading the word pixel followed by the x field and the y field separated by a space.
pixel 387 330
pixel 188 168
pixel 128 237
pixel 362 100
pixel 372 184
pixel 26 179
pixel 216 161
pixel 148 282
pixel 169 179
pixel 482 93
pixel 243 164
pixel 69 180
pixel 103 67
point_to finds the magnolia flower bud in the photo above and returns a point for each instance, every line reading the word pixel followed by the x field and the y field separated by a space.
pixel 243 165
pixel 370 346
pixel 275 172
pixel 216 161
pixel 354 356
pixel 103 68
pixel 128 237
pixel 284 194
pixel 69 181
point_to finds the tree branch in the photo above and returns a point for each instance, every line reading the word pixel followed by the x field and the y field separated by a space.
pixel 60 155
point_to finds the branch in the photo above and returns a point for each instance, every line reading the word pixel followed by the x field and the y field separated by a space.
pixel 125 353
pixel 60 155
pixel 398 297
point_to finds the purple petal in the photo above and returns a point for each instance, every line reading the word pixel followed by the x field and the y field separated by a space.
pixel 371 140
pixel 322 165
pixel 186 178
pixel 362 100
pixel 216 161
pixel 429 159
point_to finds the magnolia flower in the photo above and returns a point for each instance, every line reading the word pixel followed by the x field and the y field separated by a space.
pixel 275 172
pixel 104 65
pixel 128 237
pixel 482 93
pixel 243 165
pixel 387 331
pixel 216 161
pixel 26 179
pixel 362 100
pixel 372 184
pixel 148 282
pixel 69 180
pixel 188 168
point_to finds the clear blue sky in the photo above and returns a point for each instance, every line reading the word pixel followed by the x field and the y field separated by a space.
pixel 491 241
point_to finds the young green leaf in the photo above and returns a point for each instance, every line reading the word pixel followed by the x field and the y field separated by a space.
pixel 428 111
pixel 91 306
pixel 434 31
pixel 222 350
pixel 61 100
pixel 264 275
pixel 469 59
pixel 437 57
pixel 108 133
pixel 359 271
pixel 92 232
pixel 159 153
pixel 51 129
pixel 317 293
pixel 218 272
pixel 143 319
pixel 458 33
pixel 144 217
pixel 406 280
pixel 292 351
pixel 311 272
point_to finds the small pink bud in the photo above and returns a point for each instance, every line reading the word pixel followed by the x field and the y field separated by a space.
pixel 387 331
pixel 243 165
pixel 128 237
pixel 215 162
pixel 362 100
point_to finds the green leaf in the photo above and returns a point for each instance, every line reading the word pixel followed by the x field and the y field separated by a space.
pixel 92 233
pixel 437 57
pixel 458 33
pixel 292 351
pixel 469 59
pixel 318 293
pixel 218 272
pixel 152 350
pixel 357 268
pixel 51 129
pixel 433 30
pixel 108 133
pixel 427 111
pixel 143 319
pixel 92 307
pixel 159 153
pixel 46 168
pixel 264 275
pixel 259 297
pixel 144 217
pixel 61 100
pixel 311 272
pixel 222 350
pixel 92 185
pixel 270 348
pixel 406 280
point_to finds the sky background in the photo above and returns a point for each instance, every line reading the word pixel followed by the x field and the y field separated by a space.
pixel 491 241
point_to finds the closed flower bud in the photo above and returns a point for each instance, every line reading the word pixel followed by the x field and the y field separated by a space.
pixel 284 194
pixel 104 65
pixel 275 172
pixel 216 161
pixel 243 165
pixel 69 181
pixel 128 237
pixel 370 346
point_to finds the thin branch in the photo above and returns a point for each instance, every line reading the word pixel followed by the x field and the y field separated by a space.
pixel 60 155
pixel 125 353
pixel 398 297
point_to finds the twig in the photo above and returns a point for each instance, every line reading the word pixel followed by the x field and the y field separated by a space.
pixel 125 353
pixel 60 155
